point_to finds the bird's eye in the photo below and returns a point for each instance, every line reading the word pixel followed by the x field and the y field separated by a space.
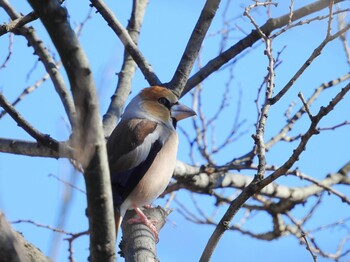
pixel 164 101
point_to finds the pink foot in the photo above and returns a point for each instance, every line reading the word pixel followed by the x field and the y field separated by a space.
pixel 144 220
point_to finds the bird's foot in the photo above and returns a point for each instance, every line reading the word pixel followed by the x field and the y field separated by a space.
pixel 150 223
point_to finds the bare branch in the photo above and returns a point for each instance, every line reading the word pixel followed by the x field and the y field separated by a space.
pixel 29 90
pixel 204 180
pixel 127 41
pixel 341 24
pixel 317 51
pixel 306 106
pixel 28 148
pixel 254 186
pixel 282 135
pixel 138 236
pixel 126 74
pixel 345 123
pixel 45 140
pixel 71 236
pixel 88 137
pixel 16 23
pixel 7 59
pixel 194 44
pixel 305 138
pixel 47 60
pixel 271 25
pixel 13 246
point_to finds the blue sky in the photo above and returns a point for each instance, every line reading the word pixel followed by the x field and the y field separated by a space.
pixel 29 191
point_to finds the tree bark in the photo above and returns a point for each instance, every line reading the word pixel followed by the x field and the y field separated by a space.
pixel 15 248
pixel 138 243
pixel 87 137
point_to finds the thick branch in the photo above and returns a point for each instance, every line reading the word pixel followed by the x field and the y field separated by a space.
pixel 28 148
pixel 88 137
pixel 192 177
pixel 14 247
pixel 197 180
pixel 138 243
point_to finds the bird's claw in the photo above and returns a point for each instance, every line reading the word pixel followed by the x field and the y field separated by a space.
pixel 150 223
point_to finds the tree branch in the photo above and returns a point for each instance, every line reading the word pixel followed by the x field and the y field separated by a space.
pixel 200 180
pixel 14 247
pixel 255 187
pixel 271 25
pixel 194 44
pixel 317 51
pixel 138 243
pixel 127 41
pixel 28 148
pixel 88 137
pixel 16 23
pixel 126 74
pixel 306 137
pixel 43 139
pixel 50 65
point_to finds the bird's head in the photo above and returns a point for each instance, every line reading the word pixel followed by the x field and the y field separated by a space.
pixel 158 104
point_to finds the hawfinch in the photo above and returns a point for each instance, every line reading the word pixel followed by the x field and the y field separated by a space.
pixel 142 151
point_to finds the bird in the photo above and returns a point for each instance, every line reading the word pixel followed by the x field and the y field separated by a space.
pixel 142 151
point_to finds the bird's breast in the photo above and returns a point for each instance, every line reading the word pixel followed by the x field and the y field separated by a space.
pixel 157 177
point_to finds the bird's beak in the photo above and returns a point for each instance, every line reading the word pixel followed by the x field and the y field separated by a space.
pixel 180 111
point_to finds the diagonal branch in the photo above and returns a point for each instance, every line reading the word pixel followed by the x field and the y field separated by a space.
pixel 306 137
pixel 271 25
pixel 194 44
pixel 14 247
pixel 50 65
pixel 255 187
pixel 17 23
pixel 317 51
pixel 43 139
pixel 127 41
pixel 127 71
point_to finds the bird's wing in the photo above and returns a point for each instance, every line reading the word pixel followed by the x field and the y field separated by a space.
pixel 132 148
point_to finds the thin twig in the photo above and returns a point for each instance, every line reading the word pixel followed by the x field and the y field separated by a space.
pixel 66 183
pixel 326 187
pixel 282 135
pixel 10 49
pixel 306 106
pixel 47 60
pixel 317 51
pixel 271 25
pixel 256 186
